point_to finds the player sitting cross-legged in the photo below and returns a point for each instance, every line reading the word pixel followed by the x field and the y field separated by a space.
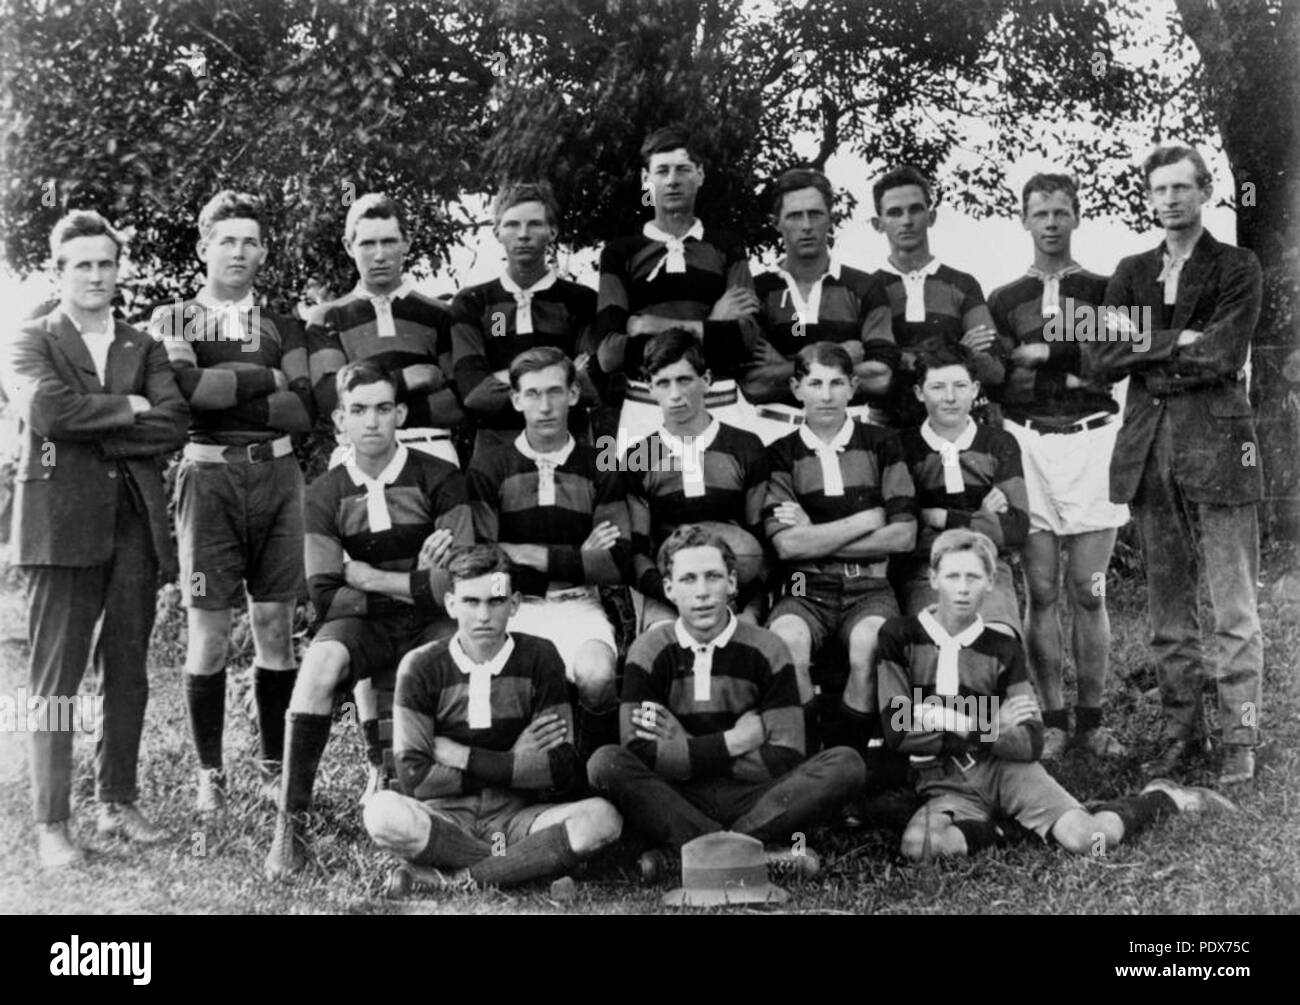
pixel 482 727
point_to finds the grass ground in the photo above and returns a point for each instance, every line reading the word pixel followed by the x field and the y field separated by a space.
pixel 1247 863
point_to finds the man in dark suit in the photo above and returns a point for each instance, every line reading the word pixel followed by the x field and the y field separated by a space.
pixel 1187 458
pixel 100 407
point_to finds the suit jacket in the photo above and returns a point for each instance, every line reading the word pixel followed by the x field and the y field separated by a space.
pixel 1199 389
pixel 80 438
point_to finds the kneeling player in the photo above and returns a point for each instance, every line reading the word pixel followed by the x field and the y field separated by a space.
pixel 712 725
pixel 379 529
pixel 481 727
pixel 956 696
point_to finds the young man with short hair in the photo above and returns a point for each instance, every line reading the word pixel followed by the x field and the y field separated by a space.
pixel 932 303
pixel 1065 425
pixel 482 728
pixel 840 502
pixel 675 274
pixel 955 696
pixel 387 319
pixel 99 409
pixel 529 305
pixel 693 469
pixel 380 527
pixel 239 491
pixel 712 726
pixel 559 510
pixel 812 297
pixel 966 474
pixel 1186 457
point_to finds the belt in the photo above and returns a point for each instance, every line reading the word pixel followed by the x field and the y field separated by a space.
pixel 846 570
pixel 252 453
pixel 933 762
pixel 564 593
pixel 723 392
pixel 423 435
pixel 792 418
pixel 1096 422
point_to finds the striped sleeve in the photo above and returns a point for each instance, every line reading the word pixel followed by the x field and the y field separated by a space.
pixel 415 705
pixel 293 410
pixel 645 571
pixel 1025 742
pixel 727 341
pixel 894 688
pixel 325 357
pixel 896 486
pixel 786 745
pixel 324 557
pixel 479 390
pixel 1009 529
pixel 451 502
pixel 669 760
pixel 556 768
pixel 780 488
pixel 205 388
pixel 756 482
pixel 612 310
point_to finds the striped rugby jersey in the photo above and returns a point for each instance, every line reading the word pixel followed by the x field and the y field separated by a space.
pixel 732 470
pixel 993 666
pixel 853 308
pixel 954 304
pixel 433 699
pixel 1040 393
pixel 347 330
pixel 871 466
pixel 428 494
pixel 229 382
pixel 752 671
pixel 504 488
pixel 484 341
pixel 991 461
pixel 713 264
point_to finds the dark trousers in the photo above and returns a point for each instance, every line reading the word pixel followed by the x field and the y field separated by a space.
pixel 1181 538
pixel 64 606
pixel 672 813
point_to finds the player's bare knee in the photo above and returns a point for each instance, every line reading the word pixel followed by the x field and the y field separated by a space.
pixel 862 645
pixel 593 672
pixel 324 668
pixel 796 636
pixel 386 819
pixel 596 824
pixel 1078 833
pixel 1089 594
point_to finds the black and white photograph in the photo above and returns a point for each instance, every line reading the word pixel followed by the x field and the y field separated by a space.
pixel 674 457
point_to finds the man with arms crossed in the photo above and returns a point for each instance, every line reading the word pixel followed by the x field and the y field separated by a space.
pixel 99 407
pixel 955 696
pixel 712 728
pixel 482 726
pixel 239 491
pixel 1187 459
pixel 812 297
pixel 1066 429
pixel 380 527
pixel 558 509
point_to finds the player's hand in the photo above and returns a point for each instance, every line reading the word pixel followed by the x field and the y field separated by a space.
pixel 995 502
pixel 450 753
pixel 422 377
pixel 934 516
pixel 357 574
pixel 872 369
pixel 747 734
pixel 1031 355
pixel 139 403
pixel 980 338
pixel 581 360
pixel 856 351
pixel 603 536
pixel 1015 711
pixel 436 549
pixel 792 515
pixel 764 354
pixel 544 733
pixel 1187 337
pixel 735 304
pixel 653 721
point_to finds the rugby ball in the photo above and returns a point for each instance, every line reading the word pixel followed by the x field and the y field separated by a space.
pixel 749 552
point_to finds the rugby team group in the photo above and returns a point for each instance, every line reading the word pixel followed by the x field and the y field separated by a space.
pixel 697 552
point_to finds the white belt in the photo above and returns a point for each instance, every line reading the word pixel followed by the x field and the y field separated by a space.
pixel 720 392
pixel 422 435
pixel 251 453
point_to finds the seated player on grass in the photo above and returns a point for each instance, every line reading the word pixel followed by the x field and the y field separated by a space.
pixel 967 474
pixel 482 727
pixel 693 469
pixel 712 726
pixel 957 698
pixel 379 529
